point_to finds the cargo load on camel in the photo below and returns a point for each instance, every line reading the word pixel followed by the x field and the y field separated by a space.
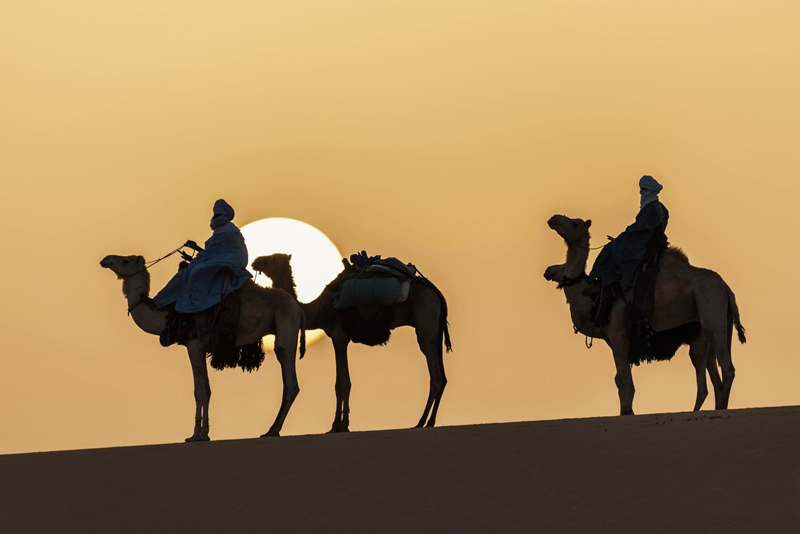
pixel 374 282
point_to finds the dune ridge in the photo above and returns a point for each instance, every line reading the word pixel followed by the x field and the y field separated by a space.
pixel 713 471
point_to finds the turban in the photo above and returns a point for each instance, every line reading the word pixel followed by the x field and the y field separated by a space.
pixel 648 189
pixel 223 208
pixel 223 214
pixel 648 183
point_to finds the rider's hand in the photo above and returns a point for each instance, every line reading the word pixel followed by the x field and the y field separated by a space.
pixel 191 244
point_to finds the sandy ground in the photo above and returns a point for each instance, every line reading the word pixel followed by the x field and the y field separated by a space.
pixel 727 471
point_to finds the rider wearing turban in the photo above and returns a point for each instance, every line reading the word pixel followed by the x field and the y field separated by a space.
pixel 215 272
pixel 620 258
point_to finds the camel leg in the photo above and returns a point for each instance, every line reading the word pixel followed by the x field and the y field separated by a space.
pixel 624 381
pixel 698 352
pixel 438 380
pixel 619 343
pixel 341 421
pixel 428 346
pixel 202 392
pixel 716 381
pixel 715 325
pixel 703 344
pixel 726 364
pixel 291 388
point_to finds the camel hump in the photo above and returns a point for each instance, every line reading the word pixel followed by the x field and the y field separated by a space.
pixel 675 254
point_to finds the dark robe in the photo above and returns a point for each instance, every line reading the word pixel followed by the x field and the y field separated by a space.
pixel 618 261
pixel 213 274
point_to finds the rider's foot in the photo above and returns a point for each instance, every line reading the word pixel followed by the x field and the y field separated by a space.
pixel 165 338
pixel 592 290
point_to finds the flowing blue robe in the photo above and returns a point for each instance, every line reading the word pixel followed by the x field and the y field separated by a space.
pixel 618 261
pixel 215 272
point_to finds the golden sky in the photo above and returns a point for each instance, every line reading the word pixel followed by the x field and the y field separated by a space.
pixel 442 133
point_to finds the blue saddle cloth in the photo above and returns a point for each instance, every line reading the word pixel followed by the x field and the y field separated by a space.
pixel 210 277
pixel 377 291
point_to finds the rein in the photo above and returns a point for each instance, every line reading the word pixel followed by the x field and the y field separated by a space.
pixel 147 266
pixel 566 281
pixel 592 248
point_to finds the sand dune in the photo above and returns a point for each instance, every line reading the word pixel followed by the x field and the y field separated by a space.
pixel 727 471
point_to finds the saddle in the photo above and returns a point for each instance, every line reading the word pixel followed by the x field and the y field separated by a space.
pixel 224 322
pixel 365 297
pixel 639 308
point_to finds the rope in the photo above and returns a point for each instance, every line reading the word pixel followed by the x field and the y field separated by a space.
pixel 147 266
pixel 589 341
pixel 153 262
pixel 593 248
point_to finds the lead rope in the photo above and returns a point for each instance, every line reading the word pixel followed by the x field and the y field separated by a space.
pixel 147 266
pixel 589 341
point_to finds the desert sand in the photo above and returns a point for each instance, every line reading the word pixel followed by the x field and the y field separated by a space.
pixel 713 471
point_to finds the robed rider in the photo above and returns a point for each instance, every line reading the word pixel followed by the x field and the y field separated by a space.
pixel 214 273
pixel 620 259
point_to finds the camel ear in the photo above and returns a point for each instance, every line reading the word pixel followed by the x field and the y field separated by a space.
pixel 588 223
pixel 290 256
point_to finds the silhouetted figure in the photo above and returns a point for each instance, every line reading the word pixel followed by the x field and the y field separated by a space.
pixel 424 308
pixel 687 295
pixel 665 344
pixel 620 258
pixel 262 310
pixel 209 278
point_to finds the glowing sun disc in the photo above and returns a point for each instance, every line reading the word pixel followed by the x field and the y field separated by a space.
pixel 315 259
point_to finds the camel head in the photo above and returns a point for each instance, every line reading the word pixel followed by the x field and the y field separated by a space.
pixel 555 273
pixel 574 231
pixel 272 264
pixel 123 266
pixel 278 269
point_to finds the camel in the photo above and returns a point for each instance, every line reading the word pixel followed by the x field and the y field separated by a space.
pixel 263 311
pixel 425 309
pixel 684 294
pixel 700 351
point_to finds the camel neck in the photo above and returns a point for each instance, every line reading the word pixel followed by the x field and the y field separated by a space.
pixel 134 288
pixel 284 280
pixel 580 305
pixel 577 256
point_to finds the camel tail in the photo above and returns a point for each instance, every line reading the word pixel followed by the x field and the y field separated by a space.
pixel 444 331
pixel 443 325
pixel 303 336
pixel 733 314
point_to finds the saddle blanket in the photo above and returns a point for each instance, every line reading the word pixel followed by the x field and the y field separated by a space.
pixel 371 292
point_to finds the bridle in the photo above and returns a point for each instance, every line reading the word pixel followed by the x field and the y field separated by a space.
pixel 566 281
pixel 149 264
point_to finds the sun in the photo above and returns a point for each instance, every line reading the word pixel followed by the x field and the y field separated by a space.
pixel 315 259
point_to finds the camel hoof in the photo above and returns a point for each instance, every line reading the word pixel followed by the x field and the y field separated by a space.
pixel 197 438
pixel 271 434
pixel 339 426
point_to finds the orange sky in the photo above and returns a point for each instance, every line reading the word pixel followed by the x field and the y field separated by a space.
pixel 445 135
